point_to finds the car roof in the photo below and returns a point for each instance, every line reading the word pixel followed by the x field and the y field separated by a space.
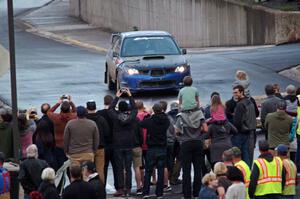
pixel 145 33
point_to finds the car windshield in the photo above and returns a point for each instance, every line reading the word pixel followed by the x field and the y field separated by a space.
pixel 153 45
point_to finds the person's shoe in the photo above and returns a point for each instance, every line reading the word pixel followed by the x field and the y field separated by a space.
pixel 147 196
pixel 119 193
pixel 167 188
pixel 127 192
pixel 139 191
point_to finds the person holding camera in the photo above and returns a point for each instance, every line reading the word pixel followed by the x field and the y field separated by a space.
pixel 124 125
pixel 60 120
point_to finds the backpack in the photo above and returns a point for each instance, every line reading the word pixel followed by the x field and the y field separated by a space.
pixel 249 117
pixel 4 181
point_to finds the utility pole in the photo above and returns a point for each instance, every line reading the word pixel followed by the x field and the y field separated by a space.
pixel 13 79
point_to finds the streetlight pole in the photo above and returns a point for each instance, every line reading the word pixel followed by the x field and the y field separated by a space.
pixel 13 79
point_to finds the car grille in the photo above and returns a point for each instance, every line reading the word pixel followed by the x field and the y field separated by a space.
pixel 149 84
pixel 157 72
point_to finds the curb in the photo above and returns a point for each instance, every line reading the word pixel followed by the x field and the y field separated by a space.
pixel 28 27
pixel 65 39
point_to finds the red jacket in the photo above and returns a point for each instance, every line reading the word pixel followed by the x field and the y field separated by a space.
pixel 60 121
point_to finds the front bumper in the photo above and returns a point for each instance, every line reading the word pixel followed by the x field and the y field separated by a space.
pixel 139 82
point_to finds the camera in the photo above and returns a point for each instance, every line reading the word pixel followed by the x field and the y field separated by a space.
pixel 65 97
pixel 123 90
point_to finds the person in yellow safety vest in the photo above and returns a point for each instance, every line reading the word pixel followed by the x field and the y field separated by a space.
pixel 267 178
pixel 298 131
pixel 289 190
pixel 242 166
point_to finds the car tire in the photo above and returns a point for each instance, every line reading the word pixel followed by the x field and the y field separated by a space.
pixel 110 84
pixel 118 86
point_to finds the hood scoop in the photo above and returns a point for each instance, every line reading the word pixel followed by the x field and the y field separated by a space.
pixel 153 57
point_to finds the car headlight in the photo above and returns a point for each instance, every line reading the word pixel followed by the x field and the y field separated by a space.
pixel 132 71
pixel 180 69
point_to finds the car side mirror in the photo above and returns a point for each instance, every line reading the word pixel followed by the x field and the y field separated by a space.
pixel 115 54
pixel 183 51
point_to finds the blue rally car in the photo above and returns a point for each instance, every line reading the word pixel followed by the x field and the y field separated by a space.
pixel 145 60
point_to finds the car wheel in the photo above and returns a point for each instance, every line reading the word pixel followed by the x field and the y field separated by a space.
pixel 110 84
pixel 118 86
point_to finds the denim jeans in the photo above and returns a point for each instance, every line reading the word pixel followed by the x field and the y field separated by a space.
pixel 287 197
pixel 155 157
pixel 298 154
pixel 123 161
pixel 242 142
pixel 109 157
pixel 192 153
pixel 170 157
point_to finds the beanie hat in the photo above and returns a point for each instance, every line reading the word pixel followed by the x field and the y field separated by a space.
pixel 81 111
pixel 123 106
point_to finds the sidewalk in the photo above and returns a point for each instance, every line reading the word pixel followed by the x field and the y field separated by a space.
pixel 53 21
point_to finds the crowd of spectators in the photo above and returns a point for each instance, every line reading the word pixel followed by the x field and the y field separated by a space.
pixel 217 140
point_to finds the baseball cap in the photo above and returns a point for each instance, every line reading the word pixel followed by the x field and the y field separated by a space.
pixel 282 149
pixel 236 151
pixel 91 105
pixel 89 165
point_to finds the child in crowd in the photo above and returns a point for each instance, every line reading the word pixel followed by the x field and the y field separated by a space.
pixel 208 191
pixel 237 189
pixel 188 96
pixel 217 109
pixel 242 78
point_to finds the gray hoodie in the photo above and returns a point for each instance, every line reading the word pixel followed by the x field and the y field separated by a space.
pixel 189 123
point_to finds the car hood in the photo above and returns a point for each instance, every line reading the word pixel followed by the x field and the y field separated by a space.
pixel 155 61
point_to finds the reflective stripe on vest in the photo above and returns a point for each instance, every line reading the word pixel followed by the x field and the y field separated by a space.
pixel 269 181
pixel 244 168
pixel 298 117
pixel 291 174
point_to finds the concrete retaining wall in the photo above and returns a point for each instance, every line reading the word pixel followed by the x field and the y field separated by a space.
pixel 194 23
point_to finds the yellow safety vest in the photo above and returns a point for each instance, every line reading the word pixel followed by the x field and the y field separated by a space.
pixel 270 177
pixel 298 117
pixel 291 175
pixel 244 168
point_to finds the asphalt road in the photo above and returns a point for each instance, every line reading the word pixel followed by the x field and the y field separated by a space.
pixel 47 69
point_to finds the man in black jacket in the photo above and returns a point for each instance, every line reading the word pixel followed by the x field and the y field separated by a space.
pixel 103 130
pixel 78 189
pixel 108 147
pixel 89 171
pixel 124 123
pixel 44 109
pixel 31 170
pixel 244 119
pixel 157 126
